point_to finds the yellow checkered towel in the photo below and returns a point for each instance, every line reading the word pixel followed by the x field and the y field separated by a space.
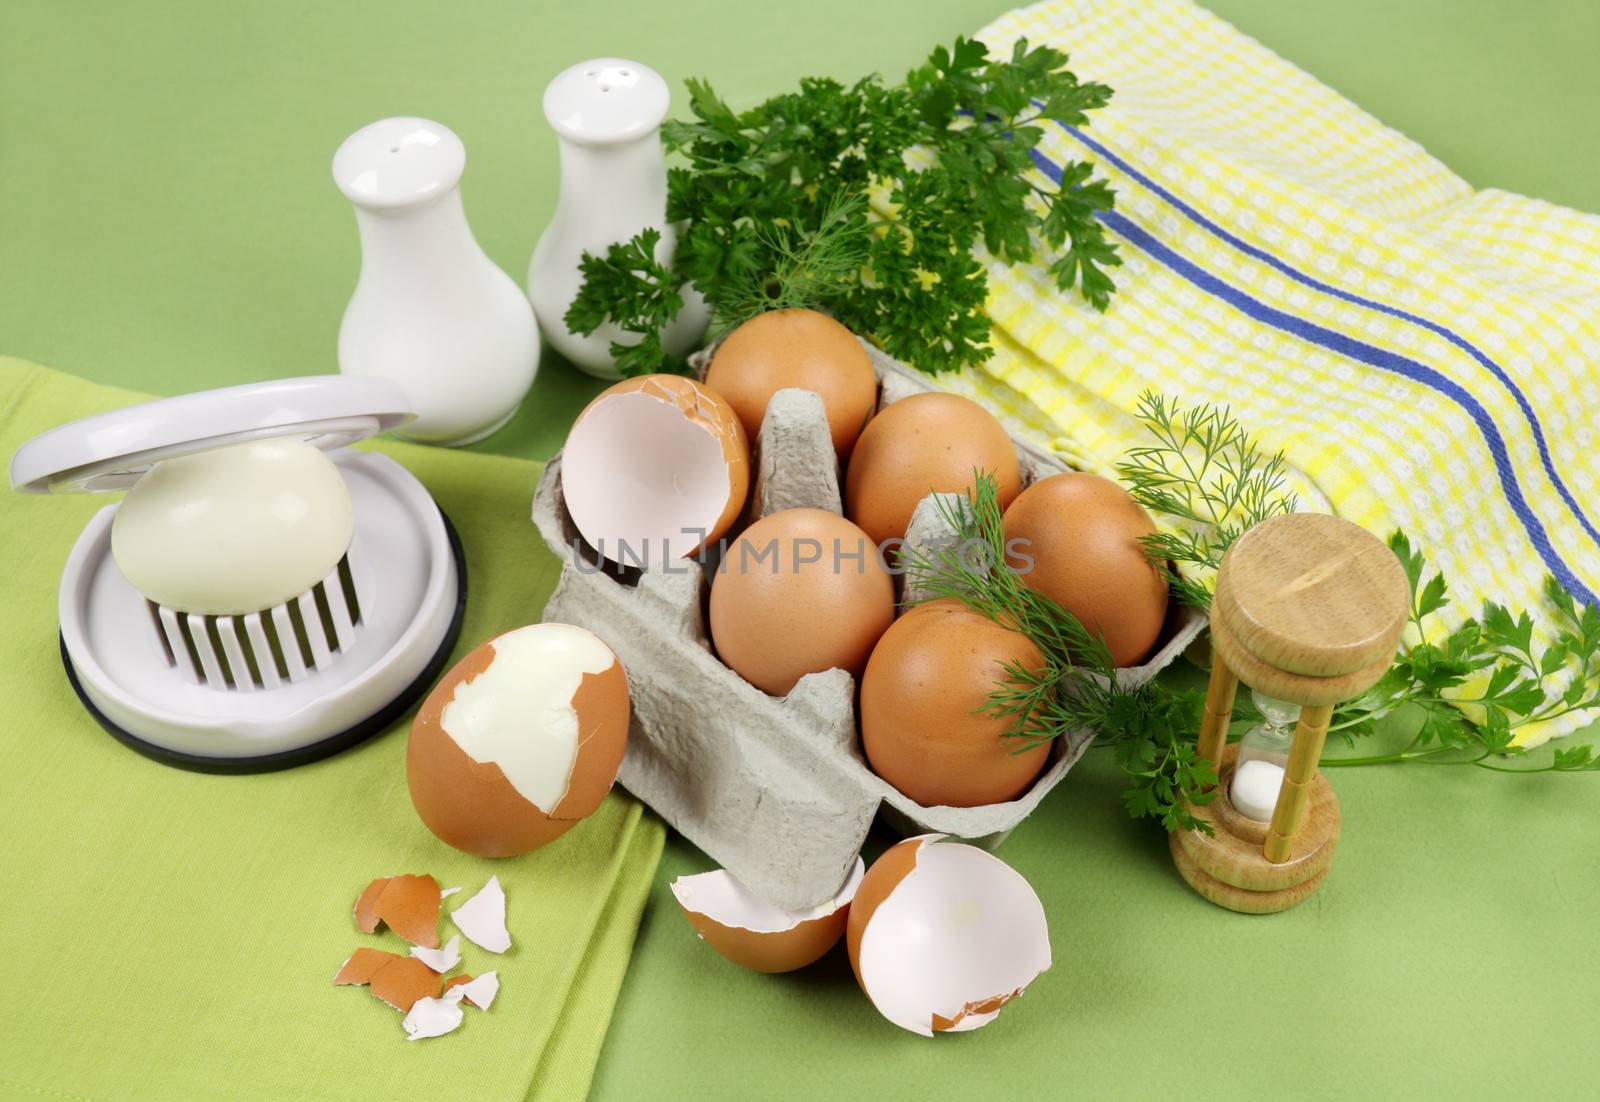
pixel 1427 356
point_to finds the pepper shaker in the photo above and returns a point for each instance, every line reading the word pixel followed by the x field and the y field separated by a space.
pixel 607 115
pixel 431 312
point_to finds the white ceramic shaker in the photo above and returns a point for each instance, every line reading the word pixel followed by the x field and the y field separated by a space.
pixel 431 312
pixel 607 115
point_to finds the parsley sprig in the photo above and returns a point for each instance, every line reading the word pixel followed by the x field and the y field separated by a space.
pixel 904 181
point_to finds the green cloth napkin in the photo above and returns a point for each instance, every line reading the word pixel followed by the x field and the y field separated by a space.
pixel 173 935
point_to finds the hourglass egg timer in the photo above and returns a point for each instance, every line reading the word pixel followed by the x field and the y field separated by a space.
pixel 1308 611
pixel 263 596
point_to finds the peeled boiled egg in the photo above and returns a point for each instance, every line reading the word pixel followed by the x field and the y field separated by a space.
pixel 1082 550
pixel 654 469
pixel 800 591
pixel 752 932
pixel 519 741
pixel 922 700
pixel 920 445
pixel 802 349
pixel 942 935
pixel 234 530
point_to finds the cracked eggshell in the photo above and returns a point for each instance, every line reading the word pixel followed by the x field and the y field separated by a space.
pixel 519 741
pixel 942 935
pixel 754 933
pixel 659 464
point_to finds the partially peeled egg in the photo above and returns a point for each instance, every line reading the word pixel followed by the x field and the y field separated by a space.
pixel 942 935
pixel 520 740
pixel 753 933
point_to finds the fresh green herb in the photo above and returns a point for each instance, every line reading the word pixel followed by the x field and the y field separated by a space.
pixel 1205 474
pixel 773 207
pixel 629 282
pixel 1469 690
pixel 1477 686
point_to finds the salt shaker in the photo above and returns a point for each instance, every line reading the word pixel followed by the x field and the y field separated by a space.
pixel 607 116
pixel 431 312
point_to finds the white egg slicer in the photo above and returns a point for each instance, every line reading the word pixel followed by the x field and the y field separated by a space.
pixel 243 690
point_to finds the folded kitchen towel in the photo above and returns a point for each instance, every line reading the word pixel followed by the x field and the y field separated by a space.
pixel 1426 355
pixel 173 935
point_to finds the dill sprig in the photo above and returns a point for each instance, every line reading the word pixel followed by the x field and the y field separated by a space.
pixel 1204 473
pixel 806 267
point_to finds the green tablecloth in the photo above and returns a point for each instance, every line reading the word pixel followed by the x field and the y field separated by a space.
pixel 167 222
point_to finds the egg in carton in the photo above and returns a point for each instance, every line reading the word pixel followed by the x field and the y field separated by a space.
pixel 776 790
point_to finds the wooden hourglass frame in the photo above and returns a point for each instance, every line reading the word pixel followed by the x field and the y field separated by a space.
pixel 1308 609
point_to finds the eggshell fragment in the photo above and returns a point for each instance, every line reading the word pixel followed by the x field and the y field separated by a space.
pixel 942 935
pixel 483 918
pixel 440 960
pixel 408 905
pixel 754 933
pixel 398 981
pixel 519 741
pixel 654 469
pixel 433 1017
pixel 480 992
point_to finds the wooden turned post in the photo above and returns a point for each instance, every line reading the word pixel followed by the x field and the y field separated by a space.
pixel 1219 711
pixel 1309 609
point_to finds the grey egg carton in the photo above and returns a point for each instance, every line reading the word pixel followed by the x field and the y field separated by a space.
pixel 774 790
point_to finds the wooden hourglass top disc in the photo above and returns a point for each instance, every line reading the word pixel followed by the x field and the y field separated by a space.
pixel 1309 594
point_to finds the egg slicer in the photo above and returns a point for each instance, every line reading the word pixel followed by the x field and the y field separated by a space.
pixel 255 689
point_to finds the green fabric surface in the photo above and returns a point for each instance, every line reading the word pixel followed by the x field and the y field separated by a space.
pixel 176 934
pixel 168 223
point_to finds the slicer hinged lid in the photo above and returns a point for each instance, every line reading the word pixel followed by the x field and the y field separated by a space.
pixel 112 451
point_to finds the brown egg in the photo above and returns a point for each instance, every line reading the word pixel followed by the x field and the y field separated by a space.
pixel 520 741
pixel 1083 538
pixel 920 445
pixel 752 932
pixel 927 679
pixel 800 591
pixel 802 349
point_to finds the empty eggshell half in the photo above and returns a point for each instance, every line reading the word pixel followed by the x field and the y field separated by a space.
pixel 942 935
pixel 654 469
pixel 754 933
pixel 519 741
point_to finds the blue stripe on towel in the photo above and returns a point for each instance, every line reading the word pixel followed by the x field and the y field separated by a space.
pixel 1365 353
pixel 1393 311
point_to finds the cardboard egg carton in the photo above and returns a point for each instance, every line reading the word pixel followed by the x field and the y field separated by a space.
pixel 774 790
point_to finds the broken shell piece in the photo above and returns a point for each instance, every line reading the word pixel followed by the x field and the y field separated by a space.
pixel 754 933
pixel 398 981
pixel 942 935
pixel 408 905
pixel 654 469
pixel 480 992
pixel 519 741
pixel 446 893
pixel 440 960
pixel 433 1017
pixel 483 918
